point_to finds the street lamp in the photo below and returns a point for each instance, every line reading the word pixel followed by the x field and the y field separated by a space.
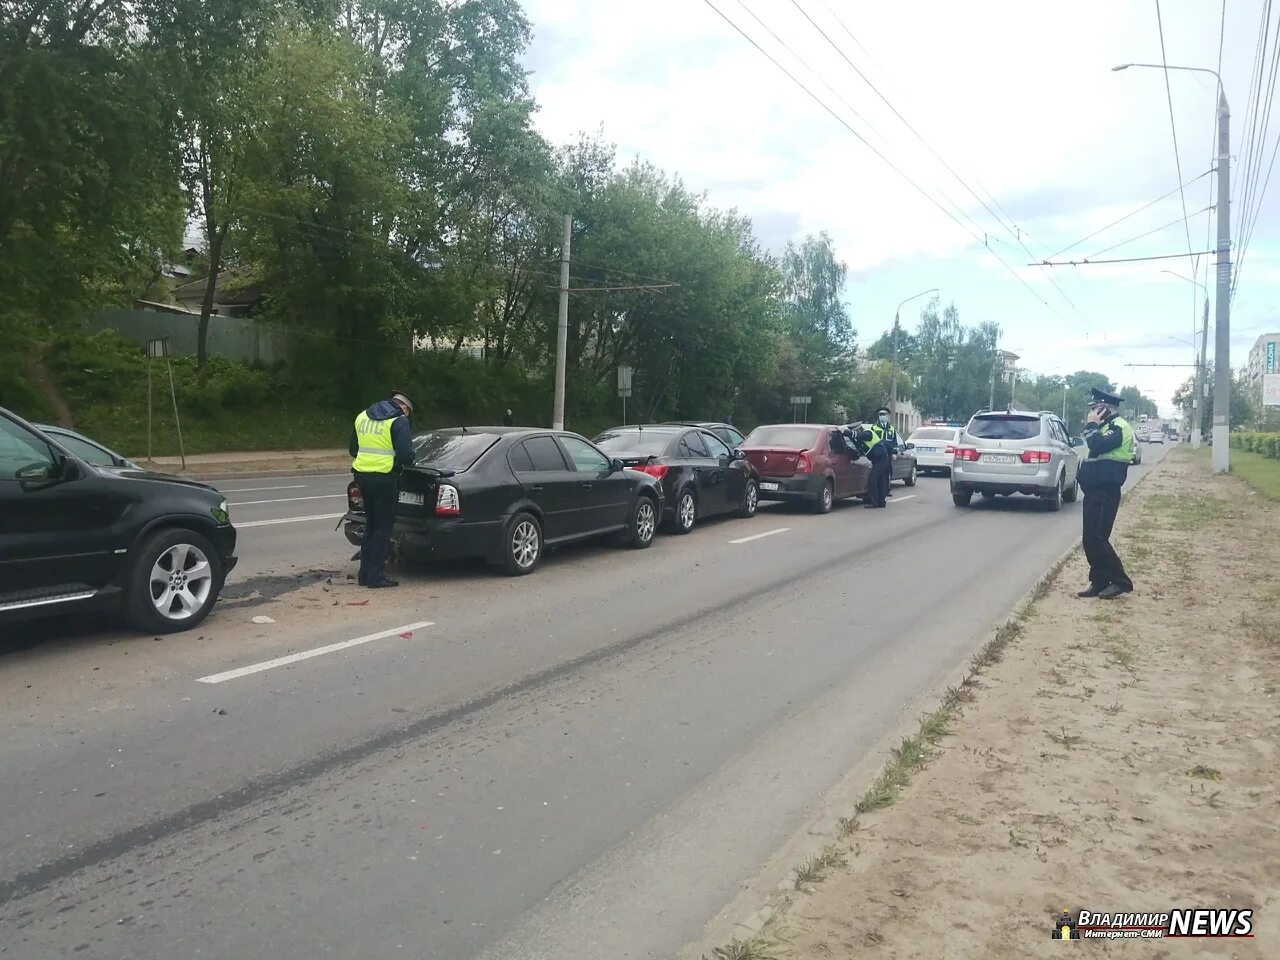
pixel 1222 324
pixel 893 382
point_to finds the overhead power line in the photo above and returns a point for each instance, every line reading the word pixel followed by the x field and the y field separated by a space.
pixel 844 123
pixel 1088 262
pixel 1127 216
pixel 1141 236
pixel 1177 156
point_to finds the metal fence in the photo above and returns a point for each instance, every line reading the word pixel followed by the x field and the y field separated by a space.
pixel 236 338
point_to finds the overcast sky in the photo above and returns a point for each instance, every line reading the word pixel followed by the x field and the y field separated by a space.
pixel 1017 97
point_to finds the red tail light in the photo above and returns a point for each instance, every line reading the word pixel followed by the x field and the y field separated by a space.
pixel 803 463
pixel 967 453
pixel 355 499
pixel 655 470
pixel 448 503
pixel 1036 456
pixel 950 451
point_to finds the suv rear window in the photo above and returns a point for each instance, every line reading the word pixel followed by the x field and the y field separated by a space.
pixel 451 451
pixel 1004 428
pixel 792 438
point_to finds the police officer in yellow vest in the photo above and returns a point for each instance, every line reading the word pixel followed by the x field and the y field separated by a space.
pixel 1110 440
pixel 381 445
pixel 870 443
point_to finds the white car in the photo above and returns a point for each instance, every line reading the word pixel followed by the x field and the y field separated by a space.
pixel 1157 438
pixel 935 448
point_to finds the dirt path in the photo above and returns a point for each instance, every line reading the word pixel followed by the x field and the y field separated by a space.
pixel 1122 756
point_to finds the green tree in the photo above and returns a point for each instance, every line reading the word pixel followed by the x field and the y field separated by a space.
pixel 1242 404
pixel 952 364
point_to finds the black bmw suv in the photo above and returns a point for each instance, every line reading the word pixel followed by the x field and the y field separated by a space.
pixel 76 537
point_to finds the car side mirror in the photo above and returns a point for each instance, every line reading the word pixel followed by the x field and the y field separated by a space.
pixel 739 454
pixel 1077 441
pixel 909 446
pixel 40 476
pixel 616 465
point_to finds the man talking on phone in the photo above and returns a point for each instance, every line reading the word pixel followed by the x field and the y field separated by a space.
pixel 1110 441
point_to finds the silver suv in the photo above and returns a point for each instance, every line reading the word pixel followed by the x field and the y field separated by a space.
pixel 1004 452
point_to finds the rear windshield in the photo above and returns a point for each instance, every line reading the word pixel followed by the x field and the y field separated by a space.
pixel 934 433
pixel 651 442
pixel 795 438
pixel 451 451
pixel 1004 428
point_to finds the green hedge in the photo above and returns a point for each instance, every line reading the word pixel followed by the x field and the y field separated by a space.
pixel 1266 444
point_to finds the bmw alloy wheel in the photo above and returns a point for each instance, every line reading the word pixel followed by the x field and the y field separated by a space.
pixel 181 581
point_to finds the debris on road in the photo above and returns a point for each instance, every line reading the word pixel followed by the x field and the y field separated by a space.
pixel 263 619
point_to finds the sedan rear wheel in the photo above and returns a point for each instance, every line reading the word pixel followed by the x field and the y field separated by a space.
pixel 644 522
pixel 826 497
pixel 522 546
pixel 686 511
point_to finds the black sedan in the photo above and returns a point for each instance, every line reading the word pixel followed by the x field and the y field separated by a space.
pixel 733 437
pixel 507 493
pixel 700 475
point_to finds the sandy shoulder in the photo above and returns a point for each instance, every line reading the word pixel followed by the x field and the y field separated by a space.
pixel 1122 756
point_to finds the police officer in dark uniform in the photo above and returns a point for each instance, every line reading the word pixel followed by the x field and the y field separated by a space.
pixel 889 437
pixel 1110 440
pixel 870 443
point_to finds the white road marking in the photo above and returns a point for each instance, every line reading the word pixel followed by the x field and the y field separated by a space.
pixel 910 496
pixel 308 654
pixel 760 536
pixel 258 503
pixel 296 486
pixel 267 523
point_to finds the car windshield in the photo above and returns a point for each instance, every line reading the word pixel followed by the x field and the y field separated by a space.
pixel 1004 427
pixel 651 442
pixel 794 438
pixel 449 450
pixel 934 433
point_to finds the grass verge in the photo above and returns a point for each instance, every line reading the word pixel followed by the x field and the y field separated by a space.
pixel 1259 472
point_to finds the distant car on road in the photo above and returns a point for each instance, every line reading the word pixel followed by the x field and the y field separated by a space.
pixel 507 493
pixel 729 434
pixel 83 529
pixel 935 448
pixel 1156 438
pixel 1001 453
pixel 700 475
pixel 806 462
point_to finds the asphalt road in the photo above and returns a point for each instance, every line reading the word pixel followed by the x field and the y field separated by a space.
pixel 587 762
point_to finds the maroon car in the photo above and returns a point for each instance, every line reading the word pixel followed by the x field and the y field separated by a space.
pixel 806 461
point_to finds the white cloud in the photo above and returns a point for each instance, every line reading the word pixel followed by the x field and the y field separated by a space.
pixel 1017 96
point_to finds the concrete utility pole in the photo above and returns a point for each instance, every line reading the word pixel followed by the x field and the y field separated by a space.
pixel 562 326
pixel 1222 327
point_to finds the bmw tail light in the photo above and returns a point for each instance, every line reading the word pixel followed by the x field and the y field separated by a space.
pixel 967 453
pixel 803 463
pixel 448 503
pixel 355 499
pixel 1036 456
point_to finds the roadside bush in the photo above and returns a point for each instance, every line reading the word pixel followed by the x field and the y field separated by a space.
pixel 1265 444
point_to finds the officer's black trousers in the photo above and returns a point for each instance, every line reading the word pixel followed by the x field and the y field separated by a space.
pixel 1105 568
pixel 379 492
pixel 878 482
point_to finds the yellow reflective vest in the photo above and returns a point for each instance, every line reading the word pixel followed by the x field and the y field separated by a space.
pixel 375 452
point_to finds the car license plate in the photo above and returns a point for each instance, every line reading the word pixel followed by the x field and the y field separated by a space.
pixel 413 499
pixel 998 458
pixel 927 449
pixel 768 486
